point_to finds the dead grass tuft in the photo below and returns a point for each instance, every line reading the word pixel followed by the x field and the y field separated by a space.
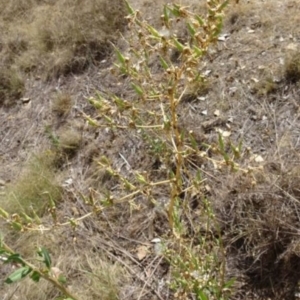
pixel 34 188
pixel 69 142
pixel 105 278
pixel 62 104
pixel 265 86
pixel 262 233
pixel 55 38
pixel 90 273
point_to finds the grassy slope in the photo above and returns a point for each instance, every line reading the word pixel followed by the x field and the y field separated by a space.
pixel 257 98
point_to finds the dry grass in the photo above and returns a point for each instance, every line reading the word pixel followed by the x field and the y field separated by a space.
pixel 11 86
pixel 33 189
pixel 256 212
pixel 62 104
pixel 69 142
pixel 54 38
pixel 90 274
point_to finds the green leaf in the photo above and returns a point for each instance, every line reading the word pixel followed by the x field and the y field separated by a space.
pixel 96 103
pixel 198 176
pixel 175 10
pixel 240 146
pixel 163 63
pixel 166 15
pixel 200 21
pixel 43 252
pixel 178 45
pixel 141 178
pixel 108 119
pixel 235 151
pixel 120 57
pixel 18 275
pixel 198 51
pixel 137 89
pixel 128 185
pixel 191 29
pixel 222 147
pixel 17 226
pixel 153 31
pixel 35 276
pixel 14 258
pixel 26 217
pixel 129 8
pixel 4 214
pixel 222 6
pixel 193 142
pixel 229 283
pixel 202 296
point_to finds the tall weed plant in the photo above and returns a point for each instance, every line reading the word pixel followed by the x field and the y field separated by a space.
pixel 161 68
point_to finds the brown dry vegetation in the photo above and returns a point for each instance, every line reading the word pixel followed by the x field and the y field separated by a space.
pixel 252 91
pixel 53 38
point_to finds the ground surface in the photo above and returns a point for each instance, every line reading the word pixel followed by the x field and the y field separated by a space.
pixel 250 94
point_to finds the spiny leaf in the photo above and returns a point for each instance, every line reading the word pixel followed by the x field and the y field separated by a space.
pixel 95 103
pixel 175 10
pixel 128 185
pixel 166 16
pixel 120 56
pixel 200 21
pixel 137 89
pixel 235 151
pixel 17 226
pixel 121 104
pixel 198 51
pixel 129 8
pixel 91 121
pixel 3 213
pixel 141 178
pixel 108 119
pixel 178 45
pixel 27 218
pixel 191 29
pixel 222 6
pixel 222 147
pixel 153 31
pixel 193 142
pixel 163 63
